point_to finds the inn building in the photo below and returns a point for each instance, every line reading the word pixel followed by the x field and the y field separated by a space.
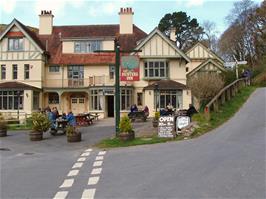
pixel 57 66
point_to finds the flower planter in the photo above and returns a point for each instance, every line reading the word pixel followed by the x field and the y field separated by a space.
pixel 3 132
pixel 127 136
pixel 36 136
pixel 74 138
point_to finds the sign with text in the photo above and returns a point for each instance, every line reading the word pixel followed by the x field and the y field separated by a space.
pixel 166 126
pixel 181 122
pixel 130 68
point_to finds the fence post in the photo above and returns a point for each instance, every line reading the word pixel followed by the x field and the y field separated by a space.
pixel 207 113
pixel 216 105
pixel 223 98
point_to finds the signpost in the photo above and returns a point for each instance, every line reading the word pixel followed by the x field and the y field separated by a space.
pixel 166 127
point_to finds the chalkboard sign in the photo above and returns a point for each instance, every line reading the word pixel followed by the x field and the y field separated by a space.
pixel 166 126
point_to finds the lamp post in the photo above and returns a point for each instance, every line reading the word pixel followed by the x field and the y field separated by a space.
pixel 156 96
pixel 117 86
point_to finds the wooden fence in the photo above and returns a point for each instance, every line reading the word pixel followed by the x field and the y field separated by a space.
pixel 225 95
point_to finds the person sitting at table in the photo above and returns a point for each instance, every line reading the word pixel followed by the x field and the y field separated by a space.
pixel 55 111
pixel 146 111
pixel 133 108
pixel 64 116
pixel 52 118
pixel 71 119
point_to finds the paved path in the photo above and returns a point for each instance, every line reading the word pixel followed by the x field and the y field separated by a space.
pixel 228 162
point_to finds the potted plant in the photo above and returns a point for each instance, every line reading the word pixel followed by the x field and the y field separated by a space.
pixel 126 132
pixel 72 134
pixel 40 124
pixel 156 119
pixel 3 126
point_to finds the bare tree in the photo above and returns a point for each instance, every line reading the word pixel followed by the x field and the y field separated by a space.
pixel 210 33
pixel 205 86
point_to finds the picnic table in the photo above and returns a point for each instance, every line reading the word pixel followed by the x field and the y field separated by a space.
pixel 60 125
pixel 137 115
pixel 84 119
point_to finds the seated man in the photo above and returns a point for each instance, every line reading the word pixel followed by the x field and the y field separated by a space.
pixel 71 119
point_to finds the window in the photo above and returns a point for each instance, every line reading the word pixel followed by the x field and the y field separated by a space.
pixel 54 69
pixel 112 72
pixel 87 46
pixel 164 97
pixel 11 100
pixel 156 69
pixel 26 71
pixel 15 71
pixel 96 99
pixel 15 44
pixel 3 71
pixel 126 99
pixel 53 98
pixel 187 69
pixel 75 76
pixel 36 100
pixel 139 99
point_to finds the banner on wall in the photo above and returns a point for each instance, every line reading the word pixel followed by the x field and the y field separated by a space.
pixel 129 68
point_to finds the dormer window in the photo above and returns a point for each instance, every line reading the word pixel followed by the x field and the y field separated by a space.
pixel 87 46
pixel 15 44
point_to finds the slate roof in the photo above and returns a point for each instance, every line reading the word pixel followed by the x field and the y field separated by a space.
pixel 166 85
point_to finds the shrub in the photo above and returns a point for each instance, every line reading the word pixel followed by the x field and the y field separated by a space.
pixel 40 122
pixel 71 130
pixel 205 86
pixel 3 123
pixel 125 125
pixel 157 115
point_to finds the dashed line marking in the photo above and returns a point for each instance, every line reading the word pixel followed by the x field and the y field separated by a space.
pixel 102 153
pixel 97 163
pixel 77 165
pixel 99 158
pixel 61 195
pixel 85 154
pixel 81 159
pixel 89 150
pixel 67 183
pixel 96 171
pixel 88 194
pixel 73 173
pixel 93 180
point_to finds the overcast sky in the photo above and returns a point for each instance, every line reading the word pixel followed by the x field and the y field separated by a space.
pixel 84 12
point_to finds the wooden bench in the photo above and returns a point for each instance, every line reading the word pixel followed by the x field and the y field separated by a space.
pixel 137 115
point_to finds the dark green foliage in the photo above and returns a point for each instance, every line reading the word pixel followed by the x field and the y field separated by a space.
pixel 188 31
pixel 40 122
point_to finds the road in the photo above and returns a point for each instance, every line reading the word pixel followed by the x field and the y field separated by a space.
pixel 228 162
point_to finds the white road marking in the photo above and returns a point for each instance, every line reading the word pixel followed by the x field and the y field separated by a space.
pixel 97 163
pixel 88 194
pixel 81 159
pixel 93 180
pixel 96 171
pixel 89 150
pixel 73 173
pixel 77 165
pixel 61 195
pixel 85 154
pixel 67 183
pixel 99 158
pixel 102 153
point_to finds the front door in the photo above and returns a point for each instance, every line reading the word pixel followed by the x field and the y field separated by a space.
pixel 78 105
pixel 110 106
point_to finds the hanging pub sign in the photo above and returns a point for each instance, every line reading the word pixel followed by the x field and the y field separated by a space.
pixel 130 68
pixel 166 127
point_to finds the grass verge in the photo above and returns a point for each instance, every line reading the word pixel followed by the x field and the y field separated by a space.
pixel 225 113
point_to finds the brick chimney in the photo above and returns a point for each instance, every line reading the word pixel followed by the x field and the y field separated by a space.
pixel 46 22
pixel 126 21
